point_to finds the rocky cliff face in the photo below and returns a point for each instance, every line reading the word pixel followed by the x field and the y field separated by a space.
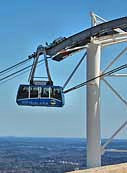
pixel 119 168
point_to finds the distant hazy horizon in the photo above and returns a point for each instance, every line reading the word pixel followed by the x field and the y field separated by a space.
pixel 27 24
pixel 56 137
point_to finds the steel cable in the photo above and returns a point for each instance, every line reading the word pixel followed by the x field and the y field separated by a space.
pixel 102 75
pixel 13 67
pixel 12 74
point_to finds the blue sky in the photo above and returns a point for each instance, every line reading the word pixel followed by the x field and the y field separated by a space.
pixel 26 24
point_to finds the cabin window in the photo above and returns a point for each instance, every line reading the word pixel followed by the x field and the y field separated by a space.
pixel 57 93
pixel 23 92
pixel 45 92
pixel 33 92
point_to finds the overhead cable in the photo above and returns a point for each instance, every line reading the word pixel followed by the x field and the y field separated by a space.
pixel 13 66
pixel 102 75
pixel 19 74
pixel 12 74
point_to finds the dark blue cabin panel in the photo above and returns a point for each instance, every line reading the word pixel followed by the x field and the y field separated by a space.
pixel 37 95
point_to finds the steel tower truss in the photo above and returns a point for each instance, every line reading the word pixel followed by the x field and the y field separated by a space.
pixel 93 40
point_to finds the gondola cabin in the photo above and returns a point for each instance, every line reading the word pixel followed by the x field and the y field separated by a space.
pixel 40 95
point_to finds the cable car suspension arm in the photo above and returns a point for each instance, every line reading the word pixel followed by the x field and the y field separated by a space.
pixel 47 68
pixel 101 75
pixel 32 72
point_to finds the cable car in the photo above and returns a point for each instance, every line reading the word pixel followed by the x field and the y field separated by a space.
pixel 40 95
pixel 39 92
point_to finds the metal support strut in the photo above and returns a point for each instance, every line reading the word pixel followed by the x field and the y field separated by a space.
pixel 50 82
pixel 93 106
pixel 32 72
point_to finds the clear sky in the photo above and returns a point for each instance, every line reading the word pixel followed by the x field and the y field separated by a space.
pixel 26 24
